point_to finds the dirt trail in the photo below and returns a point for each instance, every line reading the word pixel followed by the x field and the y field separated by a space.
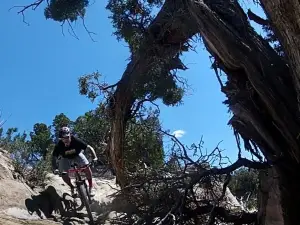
pixel 7 220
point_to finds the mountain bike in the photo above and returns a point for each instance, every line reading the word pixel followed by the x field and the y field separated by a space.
pixel 81 184
pixel 82 188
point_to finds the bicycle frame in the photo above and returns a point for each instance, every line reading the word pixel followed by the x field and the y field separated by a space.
pixel 78 179
pixel 82 188
pixel 76 170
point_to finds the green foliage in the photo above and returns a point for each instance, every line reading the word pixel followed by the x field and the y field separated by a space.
pixel 89 85
pixel 26 154
pixel 23 151
pixel 59 121
pixel 10 132
pixel 159 83
pixel 28 165
pixel 144 142
pixel 92 127
pixel 131 18
pixel 166 88
pixel 244 185
pixel 26 162
pixel 8 138
pixel 63 10
pixel 37 175
pixel 31 154
pixel 41 138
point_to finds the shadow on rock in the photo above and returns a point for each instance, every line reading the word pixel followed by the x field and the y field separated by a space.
pixel 49 202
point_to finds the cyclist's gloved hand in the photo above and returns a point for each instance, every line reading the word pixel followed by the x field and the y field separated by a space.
pixel 95 159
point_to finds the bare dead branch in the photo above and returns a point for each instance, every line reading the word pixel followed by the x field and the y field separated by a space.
pixel 223 214
pixel 62 28
pixel 90 33
pixel 33 6
pixel 72 32
pixel 102 87
pixel 170 213
pixel 241 162
pixel 257 19
pixel 2 122
pixel 215 67
pixel 238 143
pixel 183 148
pixel 176 196
pixel 140 103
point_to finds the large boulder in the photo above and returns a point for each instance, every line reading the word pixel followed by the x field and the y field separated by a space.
pixel 13 192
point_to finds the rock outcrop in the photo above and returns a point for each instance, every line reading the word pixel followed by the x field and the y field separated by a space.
pixel 19 204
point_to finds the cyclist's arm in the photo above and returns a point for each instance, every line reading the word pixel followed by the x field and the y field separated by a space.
pixel 92 150
pixel 86 147
pixel 55 155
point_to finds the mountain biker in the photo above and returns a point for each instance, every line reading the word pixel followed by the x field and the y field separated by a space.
pixel 70 149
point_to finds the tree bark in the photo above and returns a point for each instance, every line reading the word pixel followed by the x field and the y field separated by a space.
pixel 259 89
pixel 162 41
pixel 269 203
pixel 267 108
pixel 269 112
pixel 285 20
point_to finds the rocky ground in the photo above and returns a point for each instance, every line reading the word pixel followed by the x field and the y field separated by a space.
pixel 19 204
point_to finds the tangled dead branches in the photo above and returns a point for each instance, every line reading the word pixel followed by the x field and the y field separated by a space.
pixel 186 191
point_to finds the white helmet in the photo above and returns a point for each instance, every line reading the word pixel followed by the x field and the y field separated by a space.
pixel 64 132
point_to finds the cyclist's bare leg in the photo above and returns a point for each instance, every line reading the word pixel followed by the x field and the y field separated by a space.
pixel 89 176
pixel 83 161
pixel 64 165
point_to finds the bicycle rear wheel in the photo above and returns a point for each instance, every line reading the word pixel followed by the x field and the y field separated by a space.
pixel 83 193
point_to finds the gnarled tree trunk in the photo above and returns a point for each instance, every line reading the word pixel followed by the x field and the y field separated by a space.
pixel 260 89
pixel 159 43
pixel 284 17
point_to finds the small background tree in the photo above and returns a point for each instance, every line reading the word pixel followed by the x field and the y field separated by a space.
pixel 244 186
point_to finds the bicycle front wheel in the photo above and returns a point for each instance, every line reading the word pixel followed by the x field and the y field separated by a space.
pixel 83 193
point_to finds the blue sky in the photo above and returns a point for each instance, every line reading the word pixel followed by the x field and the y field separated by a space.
pixel 40 68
